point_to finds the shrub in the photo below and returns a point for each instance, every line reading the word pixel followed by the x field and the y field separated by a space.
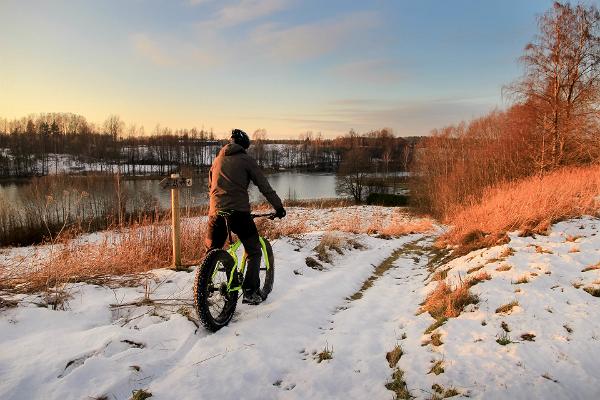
pixel 530 206
pixel 448 301
pixel 388 200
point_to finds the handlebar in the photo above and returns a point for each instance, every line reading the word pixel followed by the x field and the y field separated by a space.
pixel 271 216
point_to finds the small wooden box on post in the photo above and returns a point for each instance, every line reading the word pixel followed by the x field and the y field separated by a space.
pixel 175 182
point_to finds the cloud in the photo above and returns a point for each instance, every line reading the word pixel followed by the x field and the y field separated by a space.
pixel 407 117
pixel 369 71
pixel 242 11
pixel 146 47
pixel 311 40
pixel 170 52
pixel 197 2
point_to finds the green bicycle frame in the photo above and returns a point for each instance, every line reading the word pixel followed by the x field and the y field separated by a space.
pixel 241 267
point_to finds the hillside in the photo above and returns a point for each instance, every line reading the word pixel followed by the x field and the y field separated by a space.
pixel 346 329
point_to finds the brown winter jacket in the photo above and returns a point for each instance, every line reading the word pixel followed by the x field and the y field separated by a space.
pixel 229 177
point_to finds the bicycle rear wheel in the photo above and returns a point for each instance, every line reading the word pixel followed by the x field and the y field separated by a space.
pixel 214 304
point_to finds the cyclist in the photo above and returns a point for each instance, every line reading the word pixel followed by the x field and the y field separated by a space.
pixel 228 180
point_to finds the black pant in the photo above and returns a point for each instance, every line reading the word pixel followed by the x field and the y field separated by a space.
pixel 242 224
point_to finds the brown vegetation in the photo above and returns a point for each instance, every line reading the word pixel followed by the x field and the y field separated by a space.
pixel 448 301
pixel 138 249
pixel 507 308
pixel 523 168
pixel 529 205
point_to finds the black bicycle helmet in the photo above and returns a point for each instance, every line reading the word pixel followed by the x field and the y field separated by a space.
pixel 240 137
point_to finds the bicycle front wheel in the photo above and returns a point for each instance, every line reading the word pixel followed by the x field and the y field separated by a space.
pixel 267 275
pixel 214 304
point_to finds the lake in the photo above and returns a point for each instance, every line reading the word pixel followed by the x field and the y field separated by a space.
pixel 289 185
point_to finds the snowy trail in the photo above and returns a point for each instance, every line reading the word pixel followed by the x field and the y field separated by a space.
pixel 363 304
pixel 90 350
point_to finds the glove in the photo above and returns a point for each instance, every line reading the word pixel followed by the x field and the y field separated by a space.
pixel 280 213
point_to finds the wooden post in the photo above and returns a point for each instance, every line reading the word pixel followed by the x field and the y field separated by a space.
pixel 176 233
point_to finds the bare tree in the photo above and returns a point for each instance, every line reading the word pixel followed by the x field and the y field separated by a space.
pixel 353 173
pixel 562 81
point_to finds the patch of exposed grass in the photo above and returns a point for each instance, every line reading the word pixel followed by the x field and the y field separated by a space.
pixel 509 251
pixel 398 385
pixel 439 322
pixel 591 268
pixel 593 291
pixel 437 367
pixel 436 339
pixel 329 242
pixel 185 311
pixel 507 308
pixel 574 238
pixel 394 355
pixel 474 269
pixel 443 393
pixel 440 275
pixel 574 249
pixel 379 271
pixel 448 301
pixel 325 354
pixel 504 339
pixel 521 280
pixel 480 277
pixel 541 250
pixel 504 267
pixel 140 395
pixel 530 337
pixel 314 264
pixel 547 376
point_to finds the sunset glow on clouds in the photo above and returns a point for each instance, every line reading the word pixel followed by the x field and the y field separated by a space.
pixel 288 66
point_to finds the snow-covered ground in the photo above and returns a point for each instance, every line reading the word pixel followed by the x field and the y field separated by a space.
pixel 108 342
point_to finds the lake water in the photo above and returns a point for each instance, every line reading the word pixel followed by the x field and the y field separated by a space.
pixel 289 185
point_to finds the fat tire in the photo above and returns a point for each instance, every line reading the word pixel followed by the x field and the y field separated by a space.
pixel 201 284
pixel 267 285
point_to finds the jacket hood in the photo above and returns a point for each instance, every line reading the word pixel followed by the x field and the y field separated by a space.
pixel 231 149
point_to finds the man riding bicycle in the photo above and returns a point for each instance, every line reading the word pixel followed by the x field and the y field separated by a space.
pixel 228 180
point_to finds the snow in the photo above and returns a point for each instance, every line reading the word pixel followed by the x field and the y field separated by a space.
pixel 107 342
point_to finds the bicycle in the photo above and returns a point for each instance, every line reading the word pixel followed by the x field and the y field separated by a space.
pixel 219 280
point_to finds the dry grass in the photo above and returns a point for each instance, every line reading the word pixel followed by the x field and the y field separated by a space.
pixel 132 251
pixel 529 337
pixel 507 308
pixel 509 251
pixel 475 269
pixel 541 250
pixel 480 277
pixel 448 301
pixel 437 367
pixel 530 206
pixel 594 291
pixel 378 272
pixel 521 280
pixel 504 267
pixel 380 225
pixel 394 355
pixel 398 385
pixel 274 229
pixel 591 267
pixel 435 325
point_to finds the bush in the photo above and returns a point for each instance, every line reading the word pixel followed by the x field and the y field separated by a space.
pixel 530 205
pixel 388 200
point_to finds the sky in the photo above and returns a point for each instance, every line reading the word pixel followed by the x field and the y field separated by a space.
pixel 287 66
